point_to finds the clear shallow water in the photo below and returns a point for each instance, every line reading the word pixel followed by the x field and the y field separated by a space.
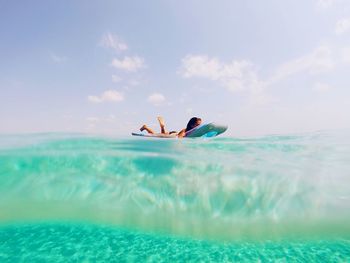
pixel 274 197
pixel 87 243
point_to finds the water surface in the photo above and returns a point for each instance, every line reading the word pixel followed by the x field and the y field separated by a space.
pixel 94 198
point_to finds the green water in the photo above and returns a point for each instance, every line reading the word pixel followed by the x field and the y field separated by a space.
pixel 80 198
pixel 89 243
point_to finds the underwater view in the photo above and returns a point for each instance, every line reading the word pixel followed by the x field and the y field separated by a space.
pixel 89 198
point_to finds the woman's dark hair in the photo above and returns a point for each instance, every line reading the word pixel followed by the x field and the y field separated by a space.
pixel 192 123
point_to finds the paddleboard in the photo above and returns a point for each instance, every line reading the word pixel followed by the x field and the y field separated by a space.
pixel 205 130
pixel 156 135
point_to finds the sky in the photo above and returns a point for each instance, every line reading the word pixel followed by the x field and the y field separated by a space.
pixel 109 66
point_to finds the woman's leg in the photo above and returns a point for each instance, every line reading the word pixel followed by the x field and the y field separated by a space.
pixel 149 130
pixel 161 124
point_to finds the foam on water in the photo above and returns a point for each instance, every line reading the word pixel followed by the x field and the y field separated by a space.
pixel 223 189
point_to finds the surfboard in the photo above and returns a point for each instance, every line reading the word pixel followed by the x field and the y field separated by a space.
pixel 156 135
pixel 206 130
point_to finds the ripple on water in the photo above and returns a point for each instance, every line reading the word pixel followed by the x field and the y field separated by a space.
pixel 90 243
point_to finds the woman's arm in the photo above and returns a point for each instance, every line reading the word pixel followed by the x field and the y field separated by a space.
pixel 182 133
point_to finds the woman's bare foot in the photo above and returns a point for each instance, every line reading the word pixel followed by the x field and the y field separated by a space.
pixel 143 127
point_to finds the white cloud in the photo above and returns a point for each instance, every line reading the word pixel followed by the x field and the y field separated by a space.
pixel 58 59
pixel 116 78
pixel 156 99
pixel 107 96
pixel 200 66
pixel 243 76
pixel 114 42
pixel 235 76
pixel 129 63
pixel 318 61
pixel 342 26
pixel 321 87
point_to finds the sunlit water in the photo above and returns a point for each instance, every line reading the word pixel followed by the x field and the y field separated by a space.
pixel 86 198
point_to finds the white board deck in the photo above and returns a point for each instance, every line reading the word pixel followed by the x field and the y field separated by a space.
pixel 156 135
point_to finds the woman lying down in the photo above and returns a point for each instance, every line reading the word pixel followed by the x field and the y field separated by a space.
pixel 192 123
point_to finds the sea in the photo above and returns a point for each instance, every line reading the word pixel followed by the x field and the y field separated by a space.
pixel 97 198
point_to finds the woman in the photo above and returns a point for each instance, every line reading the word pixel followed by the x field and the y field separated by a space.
pixel 193 122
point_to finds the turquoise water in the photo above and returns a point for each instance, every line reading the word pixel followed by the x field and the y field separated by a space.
pixel 81 198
